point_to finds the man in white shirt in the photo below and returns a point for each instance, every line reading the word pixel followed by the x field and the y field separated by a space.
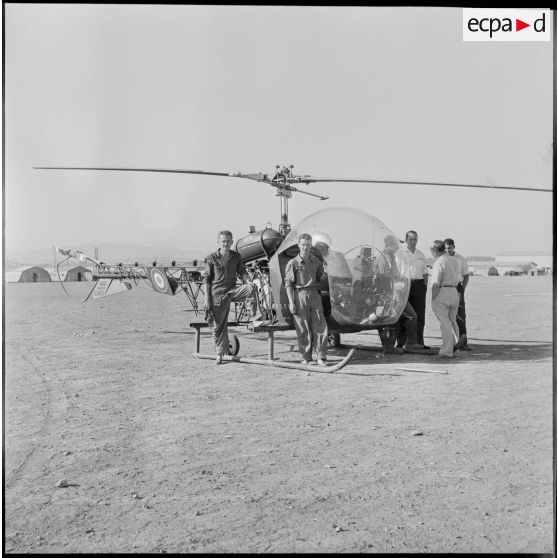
pixel 461 286
pixel 416 263
pixel 445 301
pixel 390 264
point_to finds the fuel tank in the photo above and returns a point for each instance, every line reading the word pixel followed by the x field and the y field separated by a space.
pixel 258 245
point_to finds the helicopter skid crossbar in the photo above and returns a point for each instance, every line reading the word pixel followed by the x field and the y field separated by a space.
pixel 197 326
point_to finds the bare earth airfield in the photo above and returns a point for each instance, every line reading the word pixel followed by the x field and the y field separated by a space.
pixel 165 453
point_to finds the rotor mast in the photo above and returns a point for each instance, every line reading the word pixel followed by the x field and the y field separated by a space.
pixel 283 177
pixel 284 226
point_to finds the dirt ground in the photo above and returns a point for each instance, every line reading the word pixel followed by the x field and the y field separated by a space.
pixel 166 453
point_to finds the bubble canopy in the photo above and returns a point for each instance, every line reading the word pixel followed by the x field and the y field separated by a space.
pixel 367 272
pixel 347 228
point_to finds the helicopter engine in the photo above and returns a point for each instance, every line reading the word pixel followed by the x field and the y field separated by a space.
pixel 256 249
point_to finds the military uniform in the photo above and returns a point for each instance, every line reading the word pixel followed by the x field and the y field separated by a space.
pixel 305 278
pixel 445 273
pixel 222 277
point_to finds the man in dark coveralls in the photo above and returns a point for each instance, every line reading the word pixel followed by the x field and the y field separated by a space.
pixel 304 278
pixel 221 270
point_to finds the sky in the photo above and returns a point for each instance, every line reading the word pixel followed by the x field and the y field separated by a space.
pixel 389 93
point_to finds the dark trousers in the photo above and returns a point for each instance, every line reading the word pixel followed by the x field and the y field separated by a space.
pixel 408 324
pixel 417 299
pixel 310 323
pixel 461 315
pixel 218 319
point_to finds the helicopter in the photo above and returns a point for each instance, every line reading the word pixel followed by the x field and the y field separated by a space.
pixel 361 296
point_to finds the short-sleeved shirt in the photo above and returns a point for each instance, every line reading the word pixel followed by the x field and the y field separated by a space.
pixel 223 277
pixel 445 271
pixel 300 273
pixel 416 263
pixel 463 266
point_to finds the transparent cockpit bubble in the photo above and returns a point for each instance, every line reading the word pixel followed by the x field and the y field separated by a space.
pixel 367 273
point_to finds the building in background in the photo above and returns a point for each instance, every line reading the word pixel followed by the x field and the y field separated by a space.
pixel 66 274
pixel 79 273
pixel 482 265
pixel 534 262
pixel 28 274
pixel 46 273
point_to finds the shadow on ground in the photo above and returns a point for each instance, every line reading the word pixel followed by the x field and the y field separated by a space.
pixel 479 352
pixel 481 349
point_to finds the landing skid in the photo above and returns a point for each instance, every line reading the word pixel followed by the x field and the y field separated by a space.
pixel 271 361
pixel 328 369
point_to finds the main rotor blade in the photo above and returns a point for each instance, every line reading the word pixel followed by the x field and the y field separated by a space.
pixel 175 171
pixel 309 179
pixel 258 177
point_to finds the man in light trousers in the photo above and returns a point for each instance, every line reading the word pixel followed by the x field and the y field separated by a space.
pixel 445 300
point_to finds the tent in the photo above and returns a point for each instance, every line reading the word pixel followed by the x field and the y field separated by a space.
pixel 78 273
pixel 28 274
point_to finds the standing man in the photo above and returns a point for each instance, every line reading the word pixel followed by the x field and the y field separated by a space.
pixel 445 276
pixel 464 279
pixel 304 279
pixel 221 270
pixel 388 265
pixel 416 263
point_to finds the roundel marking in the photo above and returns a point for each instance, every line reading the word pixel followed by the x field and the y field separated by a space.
pixel 158 280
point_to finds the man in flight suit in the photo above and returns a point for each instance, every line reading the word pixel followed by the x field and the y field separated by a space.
pixel 304 278
pixel 445 276
pixel 221 270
